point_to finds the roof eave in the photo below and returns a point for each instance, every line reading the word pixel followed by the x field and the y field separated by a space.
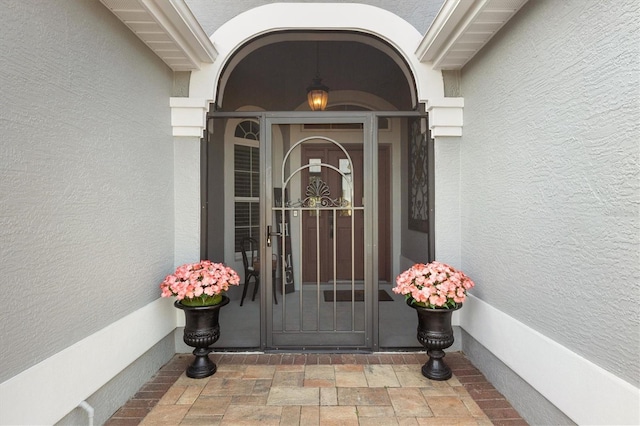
pixel 462 28
pixel 169 29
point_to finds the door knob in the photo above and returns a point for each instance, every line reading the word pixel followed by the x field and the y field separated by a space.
pixel 271 234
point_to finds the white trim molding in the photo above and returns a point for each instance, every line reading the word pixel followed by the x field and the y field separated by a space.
pixel 188 116
pixel 582 390
pixel 445 116
pixel 462 28
pixel 48 391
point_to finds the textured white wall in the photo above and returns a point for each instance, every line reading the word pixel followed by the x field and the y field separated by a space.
pixel 550 177
pixel 86 176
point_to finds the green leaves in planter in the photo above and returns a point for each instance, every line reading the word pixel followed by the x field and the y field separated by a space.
pixel 203 300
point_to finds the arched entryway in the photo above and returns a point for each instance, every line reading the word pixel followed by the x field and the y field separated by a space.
pixel 257 115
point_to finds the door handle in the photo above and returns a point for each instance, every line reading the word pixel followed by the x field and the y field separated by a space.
pixel 271 234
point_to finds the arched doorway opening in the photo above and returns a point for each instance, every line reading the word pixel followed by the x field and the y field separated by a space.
pixel 330 264
pixel 274 70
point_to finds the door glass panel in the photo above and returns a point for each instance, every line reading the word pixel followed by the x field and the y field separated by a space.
pixel 398 149
pixel 232 152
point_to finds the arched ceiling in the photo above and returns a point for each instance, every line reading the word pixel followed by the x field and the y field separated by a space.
pixel 274 74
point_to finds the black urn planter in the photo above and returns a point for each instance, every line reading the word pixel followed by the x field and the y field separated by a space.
pixel 435 334
pixel 201 330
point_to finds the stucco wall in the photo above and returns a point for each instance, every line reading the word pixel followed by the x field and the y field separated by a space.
pixel 86 177
pixel 212 15
pixel 550 196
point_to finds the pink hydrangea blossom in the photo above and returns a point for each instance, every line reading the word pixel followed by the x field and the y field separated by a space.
pixel 434 285
pixel 204 279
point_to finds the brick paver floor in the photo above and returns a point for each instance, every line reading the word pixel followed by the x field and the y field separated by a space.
pixel 317 389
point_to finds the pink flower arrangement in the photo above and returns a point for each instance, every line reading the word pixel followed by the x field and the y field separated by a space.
pixel 199 284
pixel 433 285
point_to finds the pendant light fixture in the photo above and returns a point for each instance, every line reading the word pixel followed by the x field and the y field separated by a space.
pixel 317 93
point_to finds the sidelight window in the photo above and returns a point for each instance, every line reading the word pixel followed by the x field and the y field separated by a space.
pixel 246 182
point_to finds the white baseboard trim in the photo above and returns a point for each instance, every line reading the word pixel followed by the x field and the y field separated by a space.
pixel 585 392
pixel 46 392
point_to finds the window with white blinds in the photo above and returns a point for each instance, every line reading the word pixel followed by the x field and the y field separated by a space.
pixel 246 183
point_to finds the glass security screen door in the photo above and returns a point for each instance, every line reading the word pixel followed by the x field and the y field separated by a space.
pixel 319 231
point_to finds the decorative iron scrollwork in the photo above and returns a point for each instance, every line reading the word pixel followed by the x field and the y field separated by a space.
pixel 318 195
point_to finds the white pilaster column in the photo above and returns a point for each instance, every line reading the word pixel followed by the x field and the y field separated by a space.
pixel 188 118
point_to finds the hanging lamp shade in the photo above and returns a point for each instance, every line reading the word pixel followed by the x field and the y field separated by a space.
pixel 317 95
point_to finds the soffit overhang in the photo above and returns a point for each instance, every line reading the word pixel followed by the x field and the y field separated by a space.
pixel 462 28
pixel 169 29
pixel 459 31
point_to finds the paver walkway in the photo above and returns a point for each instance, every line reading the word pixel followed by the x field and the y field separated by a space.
pixel 318 389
